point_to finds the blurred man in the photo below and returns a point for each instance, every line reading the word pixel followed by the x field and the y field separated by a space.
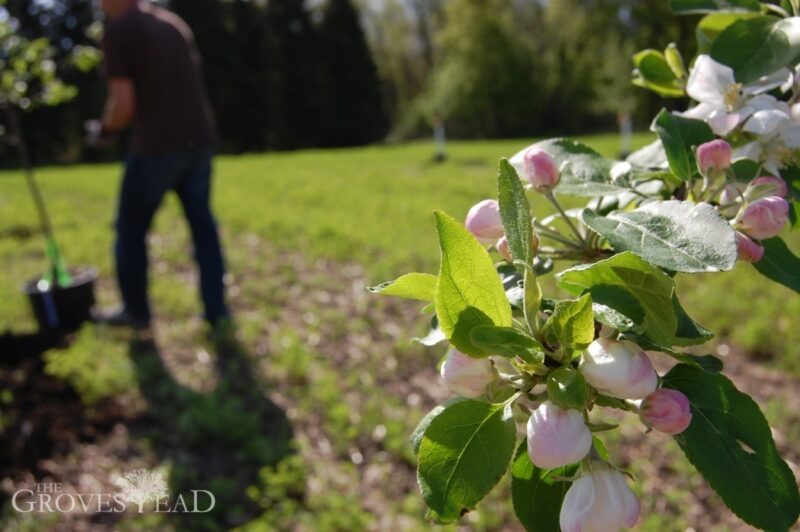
pixel 155 84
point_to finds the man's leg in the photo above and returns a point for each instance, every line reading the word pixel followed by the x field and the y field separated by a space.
pixel 145 182
pixel 194 191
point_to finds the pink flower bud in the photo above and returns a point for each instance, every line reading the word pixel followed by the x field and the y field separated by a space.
pixel 748 250
pixel 730 195
pixel 713 158
pixel 503 249
pixel 557 437
pixel 540 169
pixel 467 376
pixel 483 221
pixel 619 369
pixel 600 501
pixel 667 411
pixel 765 217
pixel 764 186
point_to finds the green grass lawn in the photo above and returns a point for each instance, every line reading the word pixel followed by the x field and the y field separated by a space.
pixel 305 232
pixel 372 206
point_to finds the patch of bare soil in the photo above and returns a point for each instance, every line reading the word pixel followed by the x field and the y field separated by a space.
pixel 48 435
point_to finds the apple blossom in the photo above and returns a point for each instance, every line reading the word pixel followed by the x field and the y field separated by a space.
pixel 557 437
pixel 766 186
pixel 747 249
pixel 713 158
pixel 724 103
pixel 539 169
pixel 503 249
pixel 667 411
pixel 730 195
pixel 467 376
pixel 765 217
pixel 618 368
pixel 778 139
pixel 483 221
pixel 599 501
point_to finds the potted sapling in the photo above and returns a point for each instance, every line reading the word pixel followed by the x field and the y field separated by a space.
pixel 60 297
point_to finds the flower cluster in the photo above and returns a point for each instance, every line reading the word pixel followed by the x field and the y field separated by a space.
pixel 758 210
pixel 535 373
pixel 558 436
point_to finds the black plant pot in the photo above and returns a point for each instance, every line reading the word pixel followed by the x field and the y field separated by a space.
pixel 63 308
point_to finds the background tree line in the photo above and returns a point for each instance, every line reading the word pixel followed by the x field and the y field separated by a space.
pixel 288 74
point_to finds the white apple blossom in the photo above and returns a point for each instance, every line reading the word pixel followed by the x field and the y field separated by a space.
pixel 724 103
pixel 599 501
pixel 557 437
pixel 778 139
pixel 467 376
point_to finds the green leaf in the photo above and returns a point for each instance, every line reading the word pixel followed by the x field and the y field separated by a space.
pixel 613 402
pixel 679 135
pixel 572 323
pixel 567 388
pixel 779 264
pixel 677 235
pixel 730 443
pixel 690 7
pixel 504 341
pixel 710 26
pixel 537 494
pixel 584 172
pixel 708 363
pixel 758 46
pixel 532 300
pixel 745 170
pixel 794 214
pixel 464 453
pixel 469 292
pixel 651 289
pixel 689 332
pixel 515 213
pixel 674 59
pixel 416 437
pixel 654 73
pixel 420 286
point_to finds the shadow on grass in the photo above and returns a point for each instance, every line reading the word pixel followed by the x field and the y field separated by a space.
pixel 217 441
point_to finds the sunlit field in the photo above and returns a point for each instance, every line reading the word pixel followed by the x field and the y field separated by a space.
pixel 322 382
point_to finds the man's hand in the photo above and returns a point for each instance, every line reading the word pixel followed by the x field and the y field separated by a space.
pixel 93 130
pixel 97 136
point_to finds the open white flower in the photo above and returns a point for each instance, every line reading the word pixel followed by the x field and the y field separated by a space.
pixel 724 103
pixel 778 139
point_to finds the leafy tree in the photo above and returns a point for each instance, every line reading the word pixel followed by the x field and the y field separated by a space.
pixel 55 133
pixel 292 50
pixel 354 111
pixel 229 36
pixel 484 82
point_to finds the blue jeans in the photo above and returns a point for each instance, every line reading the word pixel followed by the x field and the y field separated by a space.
pixel 147 179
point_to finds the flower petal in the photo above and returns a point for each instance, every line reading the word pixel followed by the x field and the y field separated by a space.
pixel 701 111
pixel 723 123
pixel 709 80
pixel 751 150
pixel 791 137
pixel 767 123
pixel 769 82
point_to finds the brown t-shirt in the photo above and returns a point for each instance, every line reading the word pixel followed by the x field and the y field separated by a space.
pixel 155 49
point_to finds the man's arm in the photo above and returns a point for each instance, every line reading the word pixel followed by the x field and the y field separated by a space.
pixel 120 105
